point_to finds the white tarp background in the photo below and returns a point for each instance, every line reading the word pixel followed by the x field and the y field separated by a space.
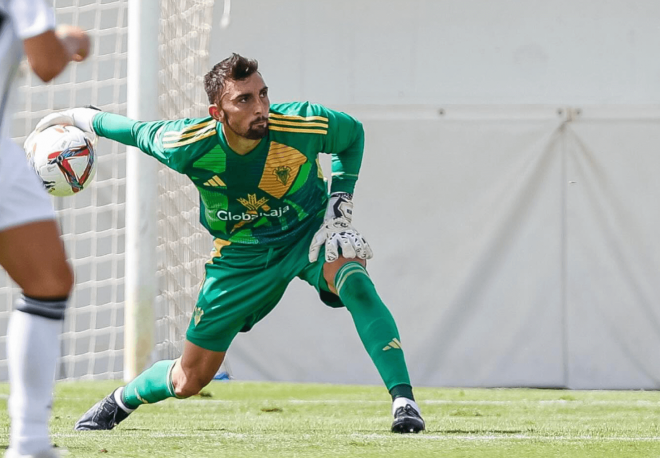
pixel 514 246
pixel 613 251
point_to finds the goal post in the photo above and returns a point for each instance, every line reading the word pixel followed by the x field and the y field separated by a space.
pixel 141 189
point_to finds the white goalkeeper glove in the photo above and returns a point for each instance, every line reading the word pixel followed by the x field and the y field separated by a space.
pixel 337 232
pixel 78 117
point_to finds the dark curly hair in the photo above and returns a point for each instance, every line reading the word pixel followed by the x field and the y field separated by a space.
pixel 235 68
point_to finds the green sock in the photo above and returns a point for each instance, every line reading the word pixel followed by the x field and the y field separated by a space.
pixel 374 322
pixel 152 385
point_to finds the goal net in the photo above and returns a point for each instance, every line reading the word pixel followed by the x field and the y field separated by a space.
pixel 92 222
pixel 183 245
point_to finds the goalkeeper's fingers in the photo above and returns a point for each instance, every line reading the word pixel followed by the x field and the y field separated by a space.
pixel 315 246
pixel 331 248
pixel 362 248
pixel 29 142
pixel 369 253
pixel 314 250
pixel 54 119
pixel 347 247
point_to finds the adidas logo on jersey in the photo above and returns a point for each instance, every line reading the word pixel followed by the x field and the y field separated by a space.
pixel 215 181
pixel 395 343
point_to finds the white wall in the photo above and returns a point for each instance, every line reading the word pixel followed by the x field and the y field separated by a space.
pixel 450 51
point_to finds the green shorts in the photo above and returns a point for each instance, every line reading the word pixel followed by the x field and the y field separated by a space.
pixel 244 283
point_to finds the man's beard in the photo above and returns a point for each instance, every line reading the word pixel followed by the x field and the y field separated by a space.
pixel 256 133
pixel 252 133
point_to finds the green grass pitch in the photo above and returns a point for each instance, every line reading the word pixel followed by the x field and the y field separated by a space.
pixel 273 420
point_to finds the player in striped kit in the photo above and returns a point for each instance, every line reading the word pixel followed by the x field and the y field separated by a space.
pixel 26 216
pixel 264 199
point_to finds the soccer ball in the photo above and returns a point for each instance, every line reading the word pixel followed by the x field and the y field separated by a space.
pixel 63 157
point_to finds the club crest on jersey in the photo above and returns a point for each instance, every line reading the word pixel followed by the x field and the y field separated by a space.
pixel 283 174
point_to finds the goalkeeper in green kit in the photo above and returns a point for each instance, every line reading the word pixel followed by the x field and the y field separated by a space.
pixel 265 201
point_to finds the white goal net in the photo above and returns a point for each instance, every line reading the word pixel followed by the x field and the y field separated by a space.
pixel 183 246
pixel 92 222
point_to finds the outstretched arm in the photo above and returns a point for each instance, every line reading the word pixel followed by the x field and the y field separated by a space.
pixel 92 120
pixel 146 135
pixel 119 128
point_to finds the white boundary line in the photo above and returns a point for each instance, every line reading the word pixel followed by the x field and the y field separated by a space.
pixel 564 402
pixel 638 403
pixel 422 436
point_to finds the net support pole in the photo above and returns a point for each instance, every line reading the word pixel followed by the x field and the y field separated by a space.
pixel 141 190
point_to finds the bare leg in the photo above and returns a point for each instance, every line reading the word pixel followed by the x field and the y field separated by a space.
pixel 179 378
pixel 195 369
pixel 34 257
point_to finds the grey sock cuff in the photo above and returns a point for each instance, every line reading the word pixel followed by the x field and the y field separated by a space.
pixel 48 309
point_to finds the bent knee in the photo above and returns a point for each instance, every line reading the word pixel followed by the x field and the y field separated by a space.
pixel 187 386
pixel 330 270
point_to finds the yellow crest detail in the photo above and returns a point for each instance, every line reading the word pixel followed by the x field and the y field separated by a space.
pixel 281 169
pixel 252 204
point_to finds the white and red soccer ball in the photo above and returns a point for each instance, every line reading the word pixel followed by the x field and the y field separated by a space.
pixel 64 157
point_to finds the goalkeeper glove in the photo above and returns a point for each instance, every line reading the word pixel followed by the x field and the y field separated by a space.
pixel 78 117
pixel 337 232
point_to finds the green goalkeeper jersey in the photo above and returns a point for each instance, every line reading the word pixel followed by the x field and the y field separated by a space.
pixel 267 196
